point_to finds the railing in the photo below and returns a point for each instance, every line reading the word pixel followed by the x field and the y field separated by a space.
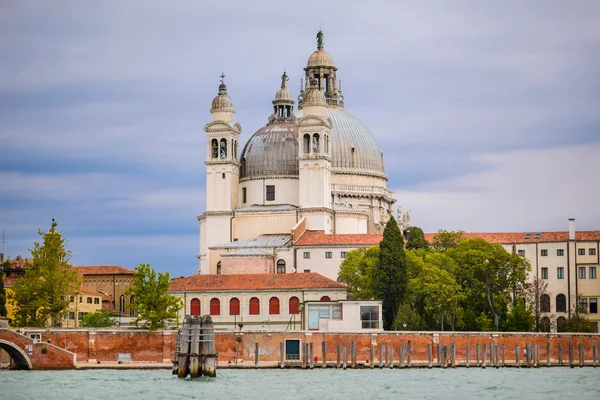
pixel 360 189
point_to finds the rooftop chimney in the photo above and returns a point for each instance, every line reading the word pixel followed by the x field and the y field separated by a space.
pixel 571 228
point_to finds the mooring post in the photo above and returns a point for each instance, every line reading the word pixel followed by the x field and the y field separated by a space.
pixel 452 355
pixel 517 354
pixel 536 355
pixel 581 355
pixel 439 354
pixel 380 355
pixel 256 355
pixel 492 353
pixel 282 355
pixel 176 353
pixel 467 355
pixel 503 355
pixel 304 355
pixel 372 356
pixel 401 355
pixel 338 359
pixel 345 364
pixel 391 357
pixel 324 350
pixel 527 354
pixel 409 354
pixel 195 348
pixel 387 354
pixel 429 356
pixel 560 355
pixel 594 355
pixel 312 355
pixel 185 348
pixel 571 355
pixel 444 356
pixel 483 354
pixel 477 355
pixel 353 345
pixel 208 349
pixel 548 362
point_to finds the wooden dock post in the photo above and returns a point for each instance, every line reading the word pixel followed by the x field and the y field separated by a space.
pixel 467 350
pixel 324 350
pixel 409 355
pixel 429 356
pixel 452 355
pixel 517 354
pixel 282 355
pixel 581 355
pixel 560 355
pixel 207 347
pixel 353 346
pixel 483 354
pixel 571 355
pixel 504 355
pixel 372 356
pixel 594 356
pixel 536 355
pixel 304 355
pixel 183 371
pixel 338 359
pixel 438 354
pixel 477 355
pixel 527 354
pixel 387 354
pixel 401 355
pixel 548 362
pixel 345 362
pixel 176 353
pixel 391 357
pixel 380 355
pixel 256 354
pixel 444 356
pixel 195 351
pixel 311 346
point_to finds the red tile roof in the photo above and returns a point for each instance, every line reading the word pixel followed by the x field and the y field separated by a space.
pixel 520 237
pixel 212 282
pixel 9 281
pixel 85 291
pixel 319 238
pixel 103 270
pixel 17 264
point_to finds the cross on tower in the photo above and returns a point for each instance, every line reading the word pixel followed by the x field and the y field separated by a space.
pixel 222 76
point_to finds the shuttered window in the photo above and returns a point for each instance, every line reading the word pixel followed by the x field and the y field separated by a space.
pixel 195 307
pixel 274 305
pixel 215 306
pixel 294 303
pixel 234 306
pixel 254 306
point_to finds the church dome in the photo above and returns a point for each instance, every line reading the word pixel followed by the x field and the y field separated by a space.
pixel 222 102
pixel 320 58
pixel 272 151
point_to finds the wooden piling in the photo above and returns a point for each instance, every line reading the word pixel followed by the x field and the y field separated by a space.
pixel 517 354
pixel 548 361
pixel 256 354
pixel 324 351
pixel 345 351
pixel 536 355
pixel 560 355
pixel 207 347
pixel 304 355
pixel 594 356
pixel 483 354
pixel 353 347
pixel 176 353
pixel 195 338
pixel 571 355
pixel 401 355
pixel 372 356
pixel 391 357
pixel 504 355
pixel 444 356
pixel 581 355
pixel 182 372
pixel 409 355
pixel 527 354
pixel 467 355
pixel 380 355
pixel 439 354
pixel 477 354
pixel 338 359
pixel 429 356
pixel 282 355
pixel 387 354
pixel 312 355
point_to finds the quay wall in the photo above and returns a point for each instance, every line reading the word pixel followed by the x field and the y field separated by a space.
pixel 103 345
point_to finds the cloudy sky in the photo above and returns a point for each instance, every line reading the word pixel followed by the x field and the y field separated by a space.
pixel 488 111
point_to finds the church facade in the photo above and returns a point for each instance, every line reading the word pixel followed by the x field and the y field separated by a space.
pixel 317 168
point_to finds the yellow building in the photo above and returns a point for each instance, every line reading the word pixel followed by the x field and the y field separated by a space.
pixel 82 303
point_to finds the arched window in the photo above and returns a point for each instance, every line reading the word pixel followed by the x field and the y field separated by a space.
pixel 234 306
pixel 215 306
pixel 306 143
pixel 235 149
pixel 223 149
pixel 315 143
pixel 561 324
pixel 326 144
pixel 545 303
pixel 294 303
pixel 214 148
pixel 325 298
pixel 131 302
pixel 219 268
pixel 545 324
pixel 254 306
pixel 195 306
pixel 280 266
pixel 561 303
pixel 122 304
pixel 273 306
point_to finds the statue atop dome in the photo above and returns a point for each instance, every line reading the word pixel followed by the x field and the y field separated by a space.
pixel 320 38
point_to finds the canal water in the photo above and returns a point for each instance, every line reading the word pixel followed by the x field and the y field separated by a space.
pixel 507 383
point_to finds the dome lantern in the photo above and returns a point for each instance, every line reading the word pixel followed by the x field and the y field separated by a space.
pixel 283 104
pixel 222 103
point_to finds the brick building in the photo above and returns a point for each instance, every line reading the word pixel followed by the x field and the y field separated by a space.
pixel 112 281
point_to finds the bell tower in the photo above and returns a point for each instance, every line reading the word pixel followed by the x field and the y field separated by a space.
pixel 222 177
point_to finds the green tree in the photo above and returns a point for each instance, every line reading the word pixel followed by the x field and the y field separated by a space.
pixel 416 239
pixel 42 296
pixel 409 319
pixel 445 240
pixel 520 318
pixel 153 304
pixel 358 272
pixel 98 319
pixel 2 294
pixel 577 321
pixel 391 278
pixel 489 275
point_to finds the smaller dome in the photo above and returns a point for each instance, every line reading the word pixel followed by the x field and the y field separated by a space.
pixel 320 58
pixel 314 96
pixel 222 103
pixel 283 94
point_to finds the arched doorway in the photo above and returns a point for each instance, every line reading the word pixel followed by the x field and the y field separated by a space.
pixel 18 356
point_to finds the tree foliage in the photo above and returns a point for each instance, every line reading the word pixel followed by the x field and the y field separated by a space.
pixel 2 294
pixel 520 318
pixel 416 239
pixel 42 296
pixel 391 278
pixel 445 240
pixel 153 304
pixel 534 297
pixel 98 319
pixel 358 272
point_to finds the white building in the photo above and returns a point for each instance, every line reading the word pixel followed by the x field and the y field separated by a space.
pixel 319 166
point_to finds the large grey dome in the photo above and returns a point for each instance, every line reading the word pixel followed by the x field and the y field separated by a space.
pixel 273 150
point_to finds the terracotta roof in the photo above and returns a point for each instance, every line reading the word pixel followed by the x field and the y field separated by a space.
pixel 9 281
pixel 213 282
pixel 103 270
pixel 525 237
pixel 85 291
pixel 17 264
pixel 319 238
